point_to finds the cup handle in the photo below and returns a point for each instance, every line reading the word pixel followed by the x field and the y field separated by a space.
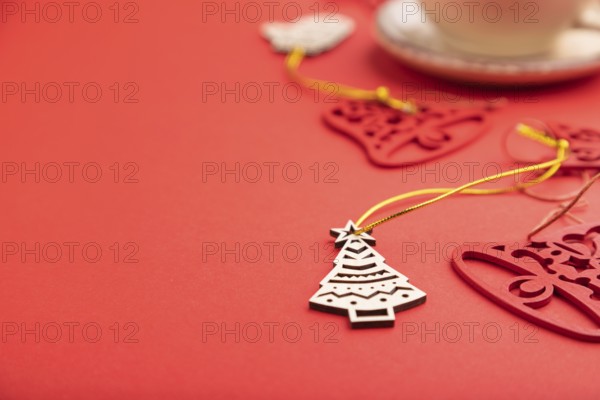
pixel 590 18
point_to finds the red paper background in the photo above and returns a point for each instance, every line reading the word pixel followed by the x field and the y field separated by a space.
pixel 172 293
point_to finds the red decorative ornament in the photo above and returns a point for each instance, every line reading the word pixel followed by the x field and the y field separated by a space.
pixel 392 138
pixel 555 283
pixel 585 146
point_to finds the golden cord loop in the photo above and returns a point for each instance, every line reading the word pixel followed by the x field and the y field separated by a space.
pixel 381 94
pixel 562 152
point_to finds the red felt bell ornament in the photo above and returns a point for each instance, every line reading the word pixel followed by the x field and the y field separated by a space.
pixel 393 138
pixel 563 265
pixel 556 276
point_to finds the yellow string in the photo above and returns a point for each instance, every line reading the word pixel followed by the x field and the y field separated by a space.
pixel 562 150
pixel 381 94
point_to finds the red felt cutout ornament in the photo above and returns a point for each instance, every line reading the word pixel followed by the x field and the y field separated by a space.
pixel 585 146
pixel 393 138
pixel 560 267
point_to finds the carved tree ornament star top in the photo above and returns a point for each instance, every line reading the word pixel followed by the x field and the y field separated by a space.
pixel 342 235
pixel 361 285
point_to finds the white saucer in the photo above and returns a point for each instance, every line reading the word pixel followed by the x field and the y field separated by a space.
pixel 420 45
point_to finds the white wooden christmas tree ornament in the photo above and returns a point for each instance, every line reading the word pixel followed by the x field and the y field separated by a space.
pixel 362 286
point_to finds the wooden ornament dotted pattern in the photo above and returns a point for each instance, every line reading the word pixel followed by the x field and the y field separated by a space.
pixel 362 286
pixel 562 267
pixel 392 138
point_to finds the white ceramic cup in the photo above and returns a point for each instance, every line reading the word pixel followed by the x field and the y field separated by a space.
pixel 502 28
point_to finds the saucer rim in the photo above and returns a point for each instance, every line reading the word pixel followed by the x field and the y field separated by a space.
pixel 491 66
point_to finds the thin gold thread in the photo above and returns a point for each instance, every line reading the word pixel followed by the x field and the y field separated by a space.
pixel 562 151
pixel 381 94
pixel 566 209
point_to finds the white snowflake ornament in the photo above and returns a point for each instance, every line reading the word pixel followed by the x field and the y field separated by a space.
pixel 313 35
